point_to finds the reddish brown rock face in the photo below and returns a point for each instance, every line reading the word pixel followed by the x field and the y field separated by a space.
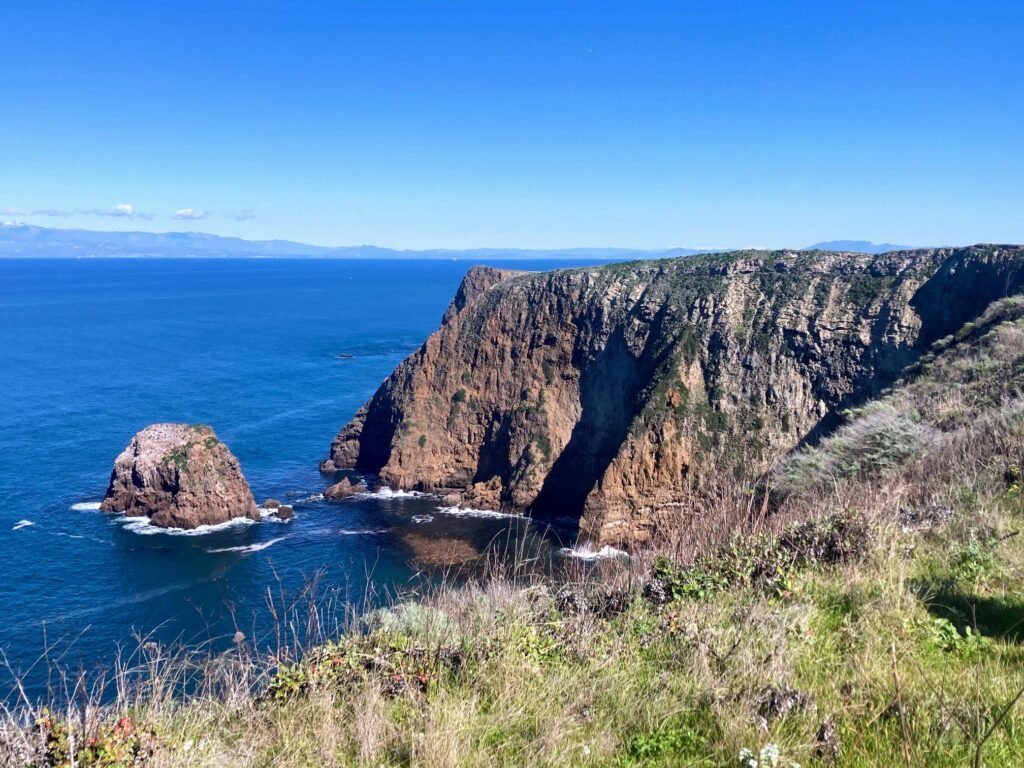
pixel 605 395
pixel 180 476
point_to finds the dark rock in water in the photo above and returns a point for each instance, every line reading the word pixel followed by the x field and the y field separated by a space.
pixel 179 476
pixel 452 500
pixel 343 356
pixel 340 490
pixel 435 551
pixel 285 512
pixel 343 489
pixel 271 504
pixel 327 466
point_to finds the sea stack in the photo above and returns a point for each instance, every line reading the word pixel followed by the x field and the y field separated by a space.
pixel 179 476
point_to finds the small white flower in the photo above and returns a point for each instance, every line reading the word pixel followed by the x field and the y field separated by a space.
pixel 769 756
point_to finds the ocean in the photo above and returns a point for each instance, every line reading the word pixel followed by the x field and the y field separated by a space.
pixel 276 355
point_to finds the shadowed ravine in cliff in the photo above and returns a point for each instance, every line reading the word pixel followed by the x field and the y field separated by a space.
pixel 603 395
pixel 609 388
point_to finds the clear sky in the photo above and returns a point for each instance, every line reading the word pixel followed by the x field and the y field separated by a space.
pixel 420 124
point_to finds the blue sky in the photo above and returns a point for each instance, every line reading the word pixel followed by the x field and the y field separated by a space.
pixel 533 124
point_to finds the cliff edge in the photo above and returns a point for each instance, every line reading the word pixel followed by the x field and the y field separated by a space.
pixel 604 395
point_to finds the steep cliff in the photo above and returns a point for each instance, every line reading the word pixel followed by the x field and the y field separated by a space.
pixel 180 476
pixel 605 395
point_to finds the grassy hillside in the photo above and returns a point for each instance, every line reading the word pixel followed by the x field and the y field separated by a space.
pixel 866 610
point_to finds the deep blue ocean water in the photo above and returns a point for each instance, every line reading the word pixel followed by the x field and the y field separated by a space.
pixel 91 351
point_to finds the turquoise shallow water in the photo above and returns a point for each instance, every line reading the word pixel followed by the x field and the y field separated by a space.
pixel 93 350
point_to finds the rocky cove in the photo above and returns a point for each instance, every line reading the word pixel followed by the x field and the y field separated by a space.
pixel 600 398
pixel 603 397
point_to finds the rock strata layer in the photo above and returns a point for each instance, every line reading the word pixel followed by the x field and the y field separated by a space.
pixel 605 395
pixel 180 476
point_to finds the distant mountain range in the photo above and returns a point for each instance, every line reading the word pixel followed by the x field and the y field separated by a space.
pixel 26 241
pixel 856 246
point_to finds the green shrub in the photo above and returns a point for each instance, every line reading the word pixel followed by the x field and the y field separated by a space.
pixel 682 738
pixel 974 561
pixel 880 440
pixel 763 562
pixel 549 371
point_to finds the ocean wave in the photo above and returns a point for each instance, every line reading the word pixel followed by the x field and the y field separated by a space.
pixel 143 527
pixel 22 524
pixel 386 493
pixel 246 549
pixel 420 519
pixel 105 607
pixel 587 553
pixel 470 512
pixel 361 532
pixel 86 506
pixel 314 497
pixel 270 516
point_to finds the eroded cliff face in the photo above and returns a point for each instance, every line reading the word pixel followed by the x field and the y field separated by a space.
pixel 604 395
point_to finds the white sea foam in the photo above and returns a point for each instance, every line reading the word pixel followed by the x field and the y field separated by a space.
pixel 86 506
pixel 270 516
pixel 314 497
pixel 360 532
pixel 246 549
pixel 386 494
pixel 143 527
pixel 586 552
pixel 420 519
pixel 22 524
pixel 470 512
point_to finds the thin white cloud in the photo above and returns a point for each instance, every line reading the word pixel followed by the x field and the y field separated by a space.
pixel 120 211
pixel 190 214
pixel 244 215
pixel 35 212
